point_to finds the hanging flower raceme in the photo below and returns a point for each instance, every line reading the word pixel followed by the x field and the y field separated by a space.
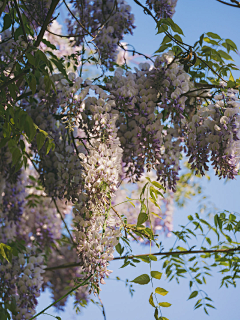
pixel 106 21
pixel 214 134
pixel 97 229
pixel 21 281
pixel 146 99
pixel 162 8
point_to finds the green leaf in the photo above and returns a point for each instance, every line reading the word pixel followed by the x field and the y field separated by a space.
pixel 156 274
pixel 31 59
pixel 177 37
pixel 16 155
pixel 143 190
pixel 231 43
pixel 193 295
pixel 59 65
pixel 4 315
pixel 125 264
pixel 162 28
pixel 163 48
pixel 42 57
pixel 3 142
pixel 49 44
pixel 175 27
pixel 144 258
pixel 49 145
pixel 41 137
pixel 7 22
pixel 158 185
pixel 30 128
pixel 213 35
pixel 12 88
pixel 33 84
pixel 209 305
pixel 231 77
pixel 211 41
pixel 156 215
pixel 151 300
pixel 225 55
pixel 166 39
pixel 5 252
pixel 142 218
pixel 164 304
pixel 47 82
pixel 155 203
pixel 118 248
pixel 143 279
pixel 161 291
pixel 152 257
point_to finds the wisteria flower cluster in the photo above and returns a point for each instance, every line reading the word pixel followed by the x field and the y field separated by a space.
pixel 162 8
pixel 107 21
pixel 133 125
pixel 215 130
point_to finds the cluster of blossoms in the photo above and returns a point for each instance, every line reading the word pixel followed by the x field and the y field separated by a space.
pixel 97 228
pixel 215 130
pixel 162 8
pixel 107 21
pixel 27 214
pixel 60 167
pixel 142 99
pixel 140 121
pixel 21 281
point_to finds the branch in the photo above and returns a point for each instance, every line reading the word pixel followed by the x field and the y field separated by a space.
pixel 69 292
pixel 21 21
pixel 134 51
pixel 46 22
pixel 103 309
pixel 179 43
pixel 14 79
pixel 4 3
pixel 231 5
pixel 63 221
pixel 82 26
pixel 169 253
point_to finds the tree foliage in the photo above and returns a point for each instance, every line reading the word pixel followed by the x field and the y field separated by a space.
pixel 78 124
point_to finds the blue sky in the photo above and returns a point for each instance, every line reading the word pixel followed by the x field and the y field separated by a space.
pixel 194 17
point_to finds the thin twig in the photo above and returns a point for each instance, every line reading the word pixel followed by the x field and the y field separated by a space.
pixel 103 309
pixel 66 227
pixel 46 22
pixel 21 21
pixel 169 253
pixel 229 4
pixel 69 292
pixel 4 3
pixel 179 43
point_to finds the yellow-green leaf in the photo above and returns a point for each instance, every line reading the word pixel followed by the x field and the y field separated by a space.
pixel 161 291
pixel 156 274
pixel 164 304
